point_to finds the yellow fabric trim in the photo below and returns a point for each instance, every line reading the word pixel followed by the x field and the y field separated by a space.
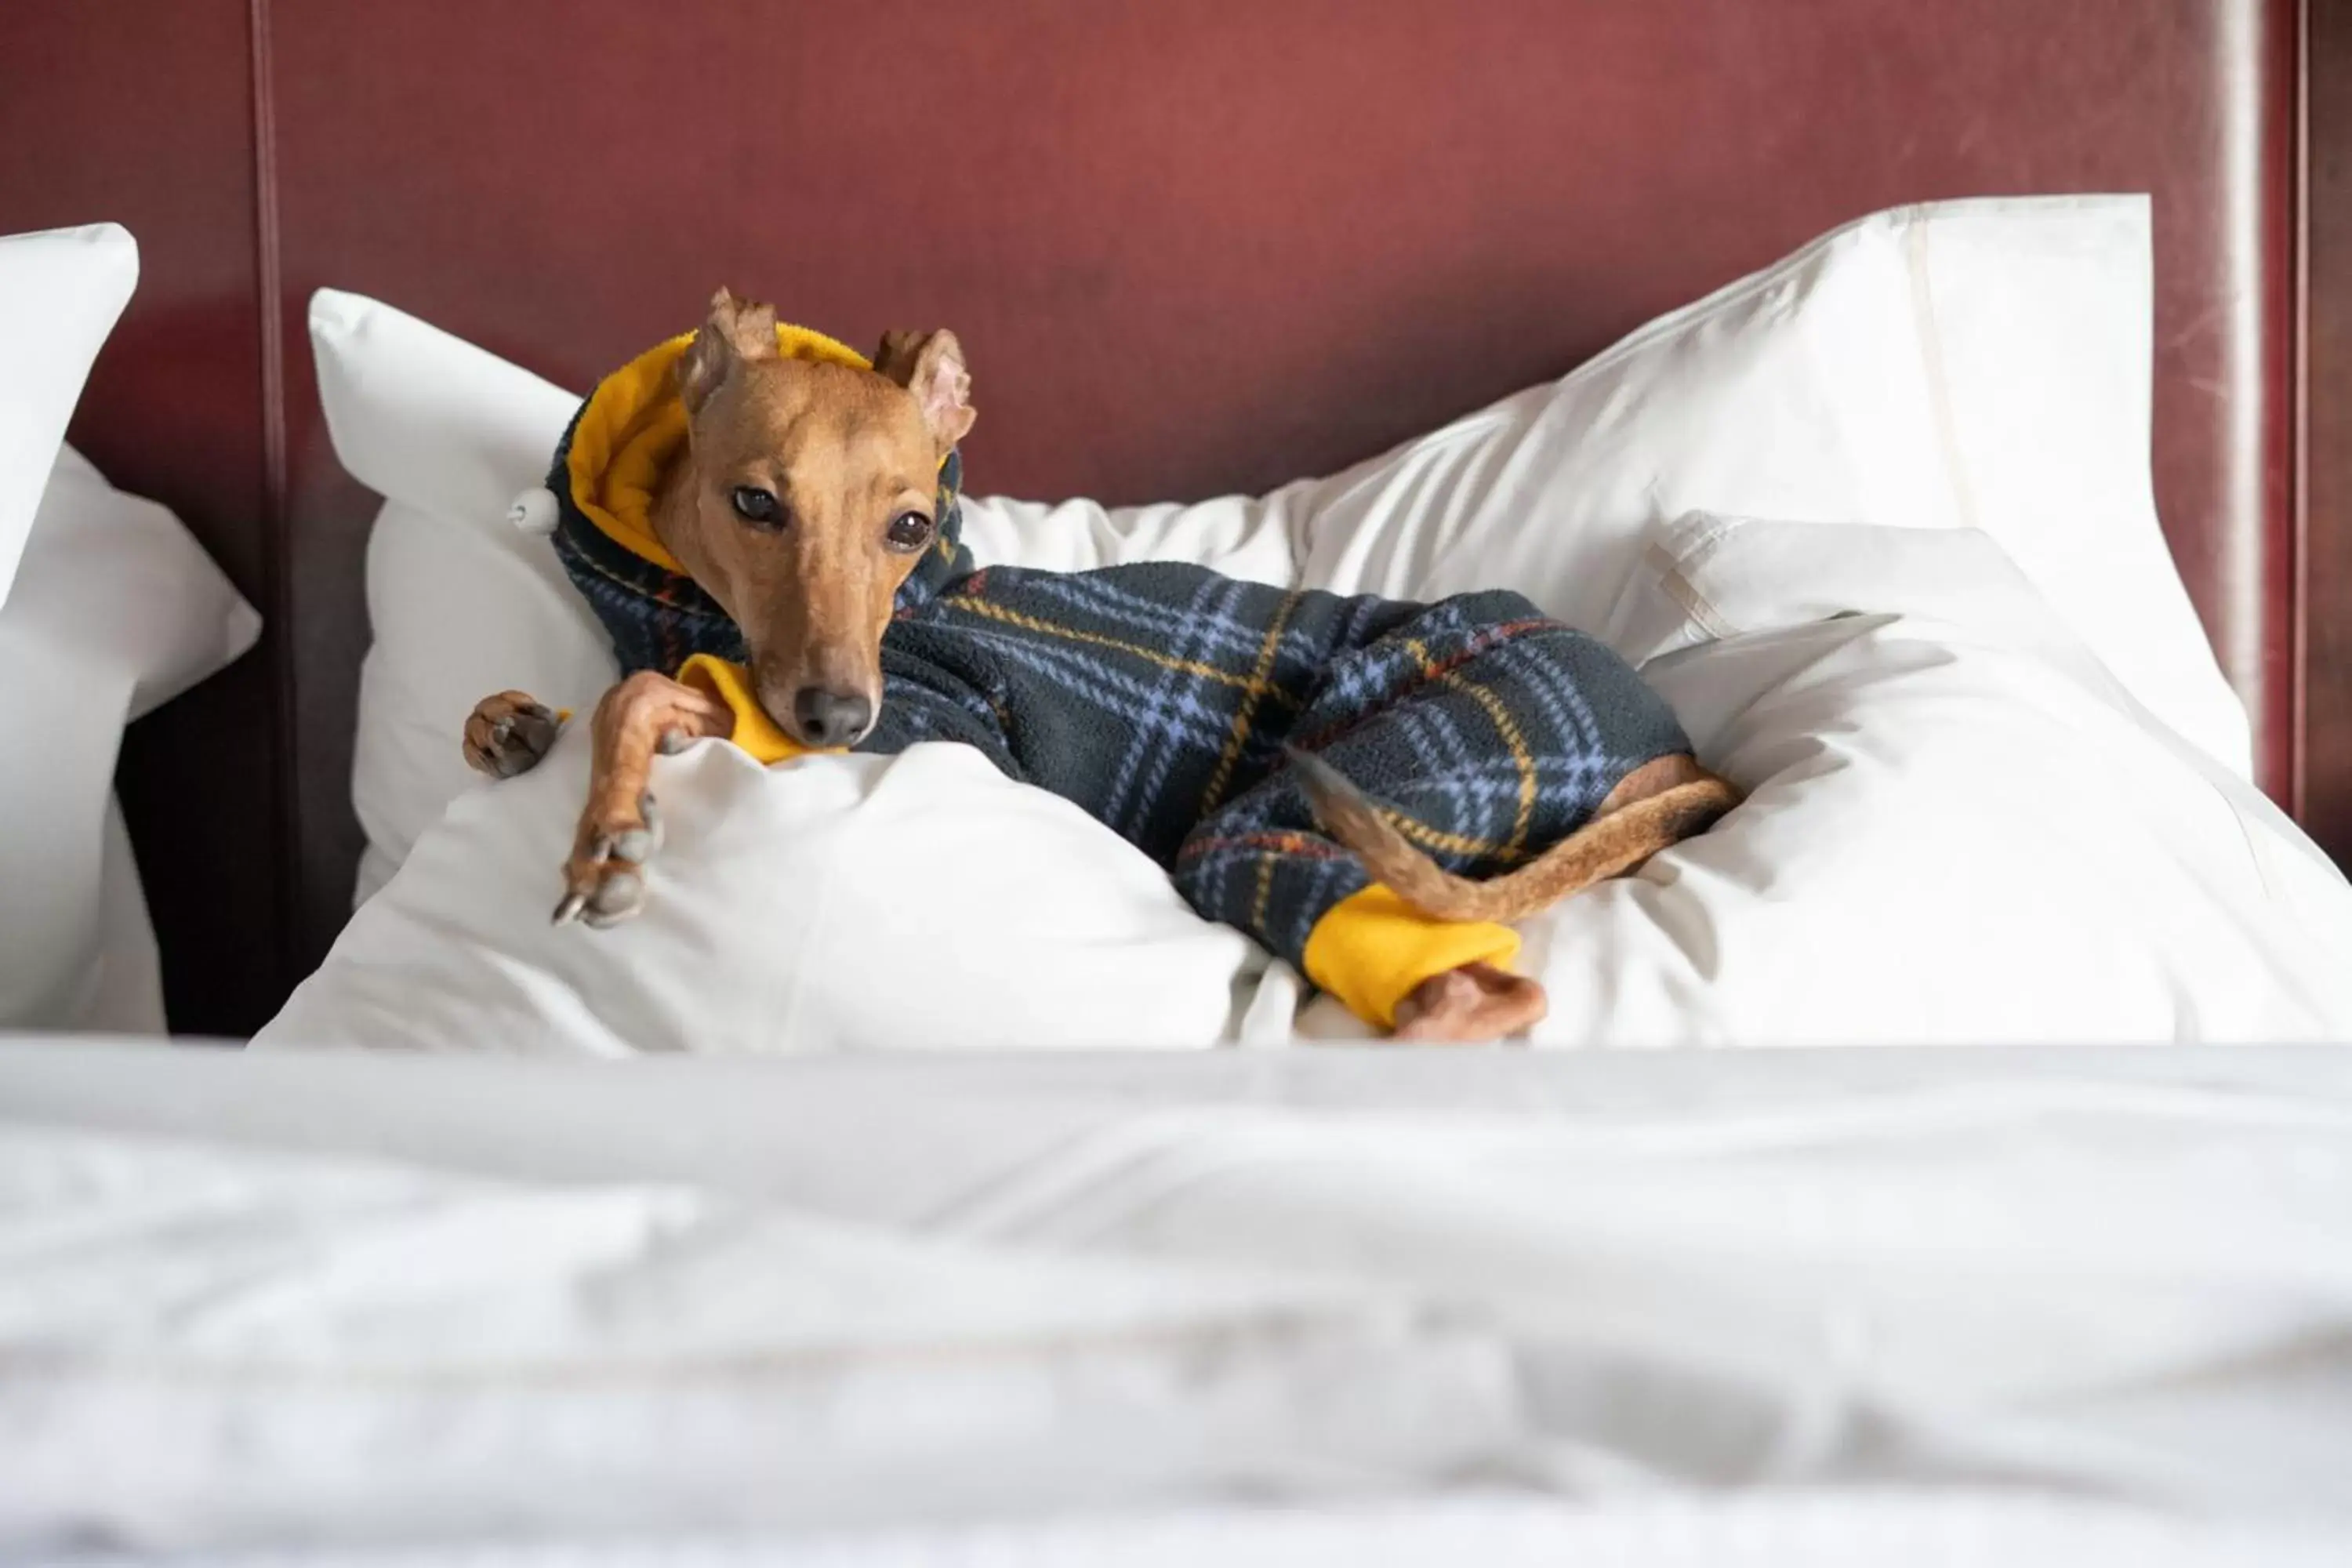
pixel 755 730
pixel 635 423
pixel 1371 949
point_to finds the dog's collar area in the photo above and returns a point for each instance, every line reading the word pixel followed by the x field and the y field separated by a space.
pixel 756 731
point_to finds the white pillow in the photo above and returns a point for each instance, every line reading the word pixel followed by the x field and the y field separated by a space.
pixel 116 610
pixel 525 628
pixel 461 604
pixel 1980 362
pixel 60 294
pixel 834 903
pixel 115 581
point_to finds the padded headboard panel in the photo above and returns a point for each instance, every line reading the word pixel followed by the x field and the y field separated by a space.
pixel 1190 248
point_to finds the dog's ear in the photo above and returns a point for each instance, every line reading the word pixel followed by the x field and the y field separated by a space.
pixel 736 331
pixel 930 365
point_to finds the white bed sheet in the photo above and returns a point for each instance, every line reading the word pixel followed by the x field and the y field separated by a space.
pixel 2000 1302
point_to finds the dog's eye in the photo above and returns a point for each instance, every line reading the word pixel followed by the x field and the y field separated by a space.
pixel 910 530
pixel 758 506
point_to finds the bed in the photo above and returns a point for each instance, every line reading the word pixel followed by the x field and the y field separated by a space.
pixel 1531 187
pixel 1989 1272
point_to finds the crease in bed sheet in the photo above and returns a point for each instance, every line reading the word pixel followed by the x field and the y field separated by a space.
pixel 216 1315
pixel 1113 1175
pixel 1827 1528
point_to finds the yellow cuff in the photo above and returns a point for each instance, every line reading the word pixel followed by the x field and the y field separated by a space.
pixel 729 683
pixel 1371 949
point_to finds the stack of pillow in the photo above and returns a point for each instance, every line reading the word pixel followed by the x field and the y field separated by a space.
pixel 108 609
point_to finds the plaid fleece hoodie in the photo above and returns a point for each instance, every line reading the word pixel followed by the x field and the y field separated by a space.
pixel 1158 697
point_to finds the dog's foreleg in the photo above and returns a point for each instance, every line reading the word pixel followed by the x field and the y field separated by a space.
pixel 604 879
pixel 509 733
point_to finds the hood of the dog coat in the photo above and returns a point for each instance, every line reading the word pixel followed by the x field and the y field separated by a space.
pixel 607 471
pixel 633 425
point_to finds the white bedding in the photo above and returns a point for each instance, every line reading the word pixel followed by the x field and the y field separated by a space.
pixel 1961 828
pixel 1835 1307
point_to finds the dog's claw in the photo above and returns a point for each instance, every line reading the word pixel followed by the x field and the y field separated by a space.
pixel 616 900
pixel 605 869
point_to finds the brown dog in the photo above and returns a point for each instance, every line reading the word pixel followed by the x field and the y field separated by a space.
pixel 802 502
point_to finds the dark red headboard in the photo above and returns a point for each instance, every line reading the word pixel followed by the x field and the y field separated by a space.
pixel 1190 248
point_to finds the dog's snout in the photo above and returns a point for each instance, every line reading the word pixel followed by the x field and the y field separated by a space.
pixel 830 718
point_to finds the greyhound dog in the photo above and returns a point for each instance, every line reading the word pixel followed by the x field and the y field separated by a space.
pixel 768 523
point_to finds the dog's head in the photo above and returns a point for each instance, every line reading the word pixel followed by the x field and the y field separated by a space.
pixel 810 498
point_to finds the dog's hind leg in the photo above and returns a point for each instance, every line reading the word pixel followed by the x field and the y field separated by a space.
pixel 509 733
pixel 604 879
pixel 1499 740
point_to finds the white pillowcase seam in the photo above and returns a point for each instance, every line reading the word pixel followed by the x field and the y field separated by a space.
pixel 1939 385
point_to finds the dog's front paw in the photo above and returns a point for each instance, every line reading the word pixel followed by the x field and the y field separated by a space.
pixel 509 733
pixel 604 879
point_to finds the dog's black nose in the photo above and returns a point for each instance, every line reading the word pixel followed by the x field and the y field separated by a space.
pixel 830 718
